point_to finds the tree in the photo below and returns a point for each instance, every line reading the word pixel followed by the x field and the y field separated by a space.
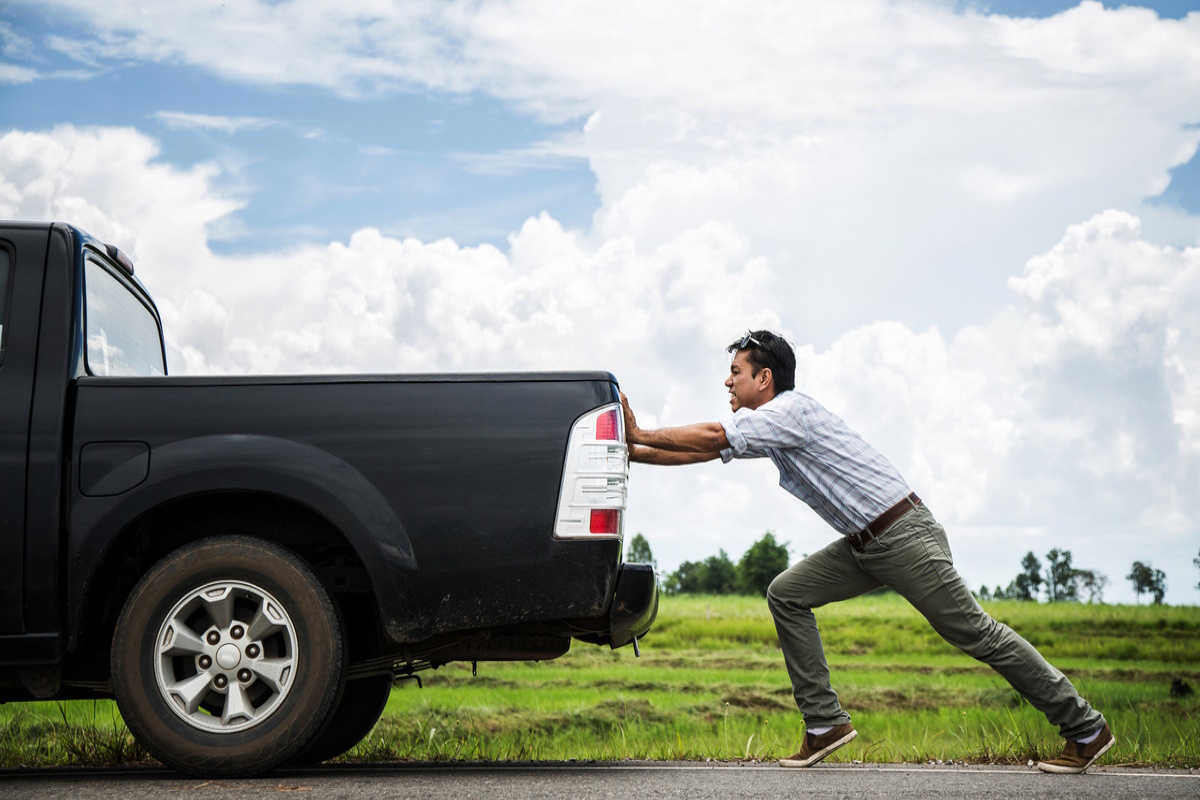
pixel 639 552
pixel 1158 586
pixel 719 575
pixel 1093 583
pixel 1196 564
pixel 686 579
pixel 1025 586
pixel 1062 580
pixel 765 559
pixel 1147 579
pixel 714 575
pixel 1140 576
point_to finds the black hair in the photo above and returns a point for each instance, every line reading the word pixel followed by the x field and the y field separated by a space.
pixel 765 349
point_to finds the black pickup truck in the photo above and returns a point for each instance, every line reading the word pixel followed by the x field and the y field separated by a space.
pixel 247 564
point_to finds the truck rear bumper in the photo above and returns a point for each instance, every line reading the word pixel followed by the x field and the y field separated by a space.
pixel 635 604
pixel 630 614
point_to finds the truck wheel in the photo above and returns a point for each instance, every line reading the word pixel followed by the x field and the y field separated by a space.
pixel 360 708
pixel 227 657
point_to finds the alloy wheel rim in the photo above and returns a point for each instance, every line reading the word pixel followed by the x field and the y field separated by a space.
pixel 226 656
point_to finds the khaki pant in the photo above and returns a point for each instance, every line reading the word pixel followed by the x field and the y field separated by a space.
pixel 911 556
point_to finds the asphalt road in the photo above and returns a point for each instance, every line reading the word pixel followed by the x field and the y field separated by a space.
pixel 586 780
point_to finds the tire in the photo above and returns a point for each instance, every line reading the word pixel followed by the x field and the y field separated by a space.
pixel 360 708
pixel 227 657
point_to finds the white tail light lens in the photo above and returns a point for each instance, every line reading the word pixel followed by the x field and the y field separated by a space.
pixel 591 504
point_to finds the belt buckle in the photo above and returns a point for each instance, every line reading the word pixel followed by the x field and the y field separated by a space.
pixel 856 541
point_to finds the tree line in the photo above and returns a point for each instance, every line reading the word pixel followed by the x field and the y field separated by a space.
pixel 1062 582
pixel 766 558
pixel 718 574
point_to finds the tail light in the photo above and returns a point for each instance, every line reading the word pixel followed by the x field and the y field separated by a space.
pixel 608 426
pixel 605 521
pixel 591 503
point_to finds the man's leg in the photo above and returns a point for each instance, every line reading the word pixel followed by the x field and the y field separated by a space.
pixel 824 577
pixel 913 557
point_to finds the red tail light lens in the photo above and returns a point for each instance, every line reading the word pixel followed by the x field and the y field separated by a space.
pixel 606 427
pixel 605 520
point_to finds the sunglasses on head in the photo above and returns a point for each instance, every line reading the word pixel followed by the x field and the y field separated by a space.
pixel 747 340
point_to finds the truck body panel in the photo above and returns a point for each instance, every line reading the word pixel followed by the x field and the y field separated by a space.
pixel 447 488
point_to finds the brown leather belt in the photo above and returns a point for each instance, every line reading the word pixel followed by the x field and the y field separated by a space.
pixel 859 540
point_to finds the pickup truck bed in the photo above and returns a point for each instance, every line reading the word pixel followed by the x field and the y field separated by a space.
pixel 446 486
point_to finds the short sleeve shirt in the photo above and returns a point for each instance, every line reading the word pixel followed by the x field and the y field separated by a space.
pixel 820 460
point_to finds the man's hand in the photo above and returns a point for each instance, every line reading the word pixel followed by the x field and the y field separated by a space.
pixel 631 427
pixel 702 441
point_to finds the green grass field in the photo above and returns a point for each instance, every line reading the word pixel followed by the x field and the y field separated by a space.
pixel 711 684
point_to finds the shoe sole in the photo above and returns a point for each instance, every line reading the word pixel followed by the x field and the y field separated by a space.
pixel 1058 770
pixel 820 754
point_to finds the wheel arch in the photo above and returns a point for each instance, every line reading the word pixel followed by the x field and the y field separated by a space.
pixel 277 490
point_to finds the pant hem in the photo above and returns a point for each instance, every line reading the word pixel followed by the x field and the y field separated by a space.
pixel 830 722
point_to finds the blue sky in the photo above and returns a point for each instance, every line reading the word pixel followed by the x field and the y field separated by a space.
pixel 314 165
pixel 311 163
pixel 978 222
pixel 1173 9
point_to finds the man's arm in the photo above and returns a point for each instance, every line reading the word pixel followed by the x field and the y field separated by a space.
pixel 642 454
pixel 703 441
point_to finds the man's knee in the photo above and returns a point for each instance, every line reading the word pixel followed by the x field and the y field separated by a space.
pixel 787 590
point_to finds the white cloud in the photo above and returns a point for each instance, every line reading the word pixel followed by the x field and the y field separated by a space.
pixel 11 73
pixel 941 133
pixel 513 162
pixel 1106 300
pixel 1069 415
pixel 869 176
pixel 346 47
pixel 13 44
pixel 181 120
pixel 109 181
pixel 381 304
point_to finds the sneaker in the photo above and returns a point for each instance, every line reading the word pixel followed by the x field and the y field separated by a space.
pixel 1076 756
pixel 817 747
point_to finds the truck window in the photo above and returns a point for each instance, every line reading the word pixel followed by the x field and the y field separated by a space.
pixel 4 280
pixel 122 333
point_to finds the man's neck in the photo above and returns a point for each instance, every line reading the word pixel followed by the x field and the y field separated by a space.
pixel 762 400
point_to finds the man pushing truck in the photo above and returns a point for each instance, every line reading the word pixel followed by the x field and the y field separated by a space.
pixel 889 538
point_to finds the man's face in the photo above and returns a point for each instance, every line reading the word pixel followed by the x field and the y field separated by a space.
pixel 745 388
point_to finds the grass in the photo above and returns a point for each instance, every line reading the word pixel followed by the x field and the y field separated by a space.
pixel 711 685
pixel 79 733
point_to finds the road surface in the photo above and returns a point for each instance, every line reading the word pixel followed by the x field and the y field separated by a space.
pixel 626 779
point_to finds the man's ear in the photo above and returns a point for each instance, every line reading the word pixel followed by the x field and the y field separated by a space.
pixel 766 378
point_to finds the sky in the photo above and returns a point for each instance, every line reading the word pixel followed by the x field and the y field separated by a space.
pixel 979 223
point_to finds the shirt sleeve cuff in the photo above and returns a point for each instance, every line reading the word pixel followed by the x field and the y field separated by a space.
pixel 737 442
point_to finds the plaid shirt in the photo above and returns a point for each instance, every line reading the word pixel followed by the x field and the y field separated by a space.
pixel 820 460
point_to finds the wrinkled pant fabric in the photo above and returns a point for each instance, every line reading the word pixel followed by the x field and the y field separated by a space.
pixel 913 557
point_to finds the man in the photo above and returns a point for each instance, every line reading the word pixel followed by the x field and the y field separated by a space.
pixel 889 538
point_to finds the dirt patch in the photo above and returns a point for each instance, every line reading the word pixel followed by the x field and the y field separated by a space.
pixel 754 701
